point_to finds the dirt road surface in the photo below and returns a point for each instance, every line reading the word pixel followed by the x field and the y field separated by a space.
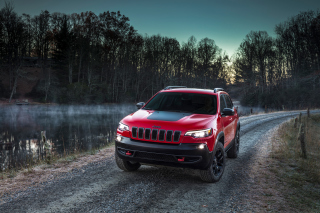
pixel 103 187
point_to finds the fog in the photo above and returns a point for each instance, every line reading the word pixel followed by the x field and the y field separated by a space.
pixel 67 129
pixel 243 110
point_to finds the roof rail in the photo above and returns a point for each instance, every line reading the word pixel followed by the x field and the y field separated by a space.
pixel 174 87
pixel 217 90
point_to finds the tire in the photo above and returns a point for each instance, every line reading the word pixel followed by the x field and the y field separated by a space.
pixel 234 151
pixel 215 171
pixel 127 166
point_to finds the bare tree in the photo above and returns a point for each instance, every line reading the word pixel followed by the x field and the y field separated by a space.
pixel 13 31
pixel 207 52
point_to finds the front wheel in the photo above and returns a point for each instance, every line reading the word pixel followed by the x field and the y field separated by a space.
pixel 216 168
pixel 127 166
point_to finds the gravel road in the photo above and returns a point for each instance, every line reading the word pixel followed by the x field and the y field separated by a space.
pixel 102 187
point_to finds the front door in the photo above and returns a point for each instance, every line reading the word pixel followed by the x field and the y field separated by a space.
pixel 227 121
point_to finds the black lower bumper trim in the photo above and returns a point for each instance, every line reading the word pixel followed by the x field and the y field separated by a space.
pixel 178 155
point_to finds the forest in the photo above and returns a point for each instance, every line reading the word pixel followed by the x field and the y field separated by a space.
pixel 87 58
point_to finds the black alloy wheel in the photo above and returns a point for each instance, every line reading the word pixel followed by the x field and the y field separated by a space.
pixel 128 166
pixel 218 163
pixel 237 141
pixel 215 171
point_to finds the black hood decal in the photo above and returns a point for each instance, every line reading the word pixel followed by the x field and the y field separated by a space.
pixel 167 116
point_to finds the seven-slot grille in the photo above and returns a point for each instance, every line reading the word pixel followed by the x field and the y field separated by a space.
pixel 155 134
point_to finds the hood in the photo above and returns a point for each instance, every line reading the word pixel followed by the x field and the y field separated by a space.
pixel 167 120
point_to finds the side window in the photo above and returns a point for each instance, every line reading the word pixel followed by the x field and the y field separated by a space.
pixel 228 101
pixel 222 103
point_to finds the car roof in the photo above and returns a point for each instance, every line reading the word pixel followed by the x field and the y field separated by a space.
pixel 192 90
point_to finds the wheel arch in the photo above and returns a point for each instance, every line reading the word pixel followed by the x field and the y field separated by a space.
pixel 219 138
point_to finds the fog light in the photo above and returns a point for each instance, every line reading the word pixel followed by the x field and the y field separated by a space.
pixel 119 138
pixel 201 146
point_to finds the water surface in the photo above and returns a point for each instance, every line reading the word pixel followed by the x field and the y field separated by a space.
pixel 37 131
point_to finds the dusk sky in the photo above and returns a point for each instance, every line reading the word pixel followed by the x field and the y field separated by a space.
pixel 227 22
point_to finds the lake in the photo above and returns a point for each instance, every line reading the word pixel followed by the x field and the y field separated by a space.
pixel 34 132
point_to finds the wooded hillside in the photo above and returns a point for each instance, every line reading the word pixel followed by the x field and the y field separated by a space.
pixel 90 58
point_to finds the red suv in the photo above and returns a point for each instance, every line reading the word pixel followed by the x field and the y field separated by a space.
pixel 181 127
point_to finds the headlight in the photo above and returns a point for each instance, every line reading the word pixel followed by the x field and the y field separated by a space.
pixel 199 133
pixel 123 127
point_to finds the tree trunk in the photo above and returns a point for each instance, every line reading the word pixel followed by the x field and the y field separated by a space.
pixel 70 73
pixel 14 84
pixel 13 88
pixel 79 71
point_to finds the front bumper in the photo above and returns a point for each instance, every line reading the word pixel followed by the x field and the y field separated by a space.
pixel 179 155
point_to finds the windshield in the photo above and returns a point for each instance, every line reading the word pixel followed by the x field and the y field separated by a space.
pixel 183 102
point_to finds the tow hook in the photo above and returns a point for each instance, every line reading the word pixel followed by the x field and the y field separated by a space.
pixel 129 153
pixel 181 159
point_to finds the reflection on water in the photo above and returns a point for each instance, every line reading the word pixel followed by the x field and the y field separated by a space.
pixel 34 132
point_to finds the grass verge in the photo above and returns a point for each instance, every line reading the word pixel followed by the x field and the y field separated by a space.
pixel 50 161
pixel 299 176
pixel 15 180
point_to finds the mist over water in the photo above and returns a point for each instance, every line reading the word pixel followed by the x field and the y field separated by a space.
pixel 67 129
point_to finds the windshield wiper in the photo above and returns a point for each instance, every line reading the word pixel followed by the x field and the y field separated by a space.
pixel 178 111
pixel 147 108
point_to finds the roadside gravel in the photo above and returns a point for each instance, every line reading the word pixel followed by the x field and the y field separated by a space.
pixel 102 187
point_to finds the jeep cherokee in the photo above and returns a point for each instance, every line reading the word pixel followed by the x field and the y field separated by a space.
pixel 183 127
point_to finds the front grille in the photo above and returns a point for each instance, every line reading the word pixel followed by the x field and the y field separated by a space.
pixel 140 133
pixel 176 136
pixel 161 134
pixel 169 135
pixel 134 132
pixel 155 134
pixel 147 134
pixel 155 156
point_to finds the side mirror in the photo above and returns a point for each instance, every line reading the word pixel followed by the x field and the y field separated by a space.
pixel 227 111
pixel 140 104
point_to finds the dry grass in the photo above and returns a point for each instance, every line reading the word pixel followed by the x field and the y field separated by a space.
pixel 280 180
pixel 300 176
pixel 13 181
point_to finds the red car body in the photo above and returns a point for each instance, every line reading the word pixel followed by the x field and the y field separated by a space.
pixel 159 137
